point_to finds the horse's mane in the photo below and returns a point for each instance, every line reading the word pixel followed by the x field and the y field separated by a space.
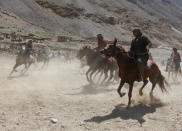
pixel 123 51
pixel 122 48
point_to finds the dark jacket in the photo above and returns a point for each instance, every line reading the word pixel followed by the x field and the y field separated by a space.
pixel 139 44
pixel 28 49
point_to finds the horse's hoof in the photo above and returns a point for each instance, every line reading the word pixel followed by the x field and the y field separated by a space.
pixel 128 107
pixel 151 95
pixel 140 93
pixel 122 94
pixel 132 101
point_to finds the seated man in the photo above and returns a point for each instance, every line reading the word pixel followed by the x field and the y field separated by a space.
pixel 28 49
pixel 140 48
pixel 101 42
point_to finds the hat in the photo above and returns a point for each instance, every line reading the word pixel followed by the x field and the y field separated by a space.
pixel 137 30
pixel 99 36
pixel 174 49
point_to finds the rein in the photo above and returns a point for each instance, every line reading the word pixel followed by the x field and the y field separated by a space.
pixel 130 56
pixel 127 54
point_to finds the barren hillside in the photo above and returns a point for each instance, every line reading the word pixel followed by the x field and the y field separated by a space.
pixel 160 19
pixel 54 93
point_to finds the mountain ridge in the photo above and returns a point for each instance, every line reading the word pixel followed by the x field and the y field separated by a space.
pixel 158 19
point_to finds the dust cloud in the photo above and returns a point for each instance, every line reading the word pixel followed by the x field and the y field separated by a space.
pixel 61 91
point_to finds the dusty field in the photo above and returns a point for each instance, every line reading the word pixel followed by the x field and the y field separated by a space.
pixel 27 103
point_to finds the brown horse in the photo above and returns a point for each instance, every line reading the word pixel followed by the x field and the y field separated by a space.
pixel 172 71
pixel 128 71
pixel 96 63
pixel 111 68
pixel 22 60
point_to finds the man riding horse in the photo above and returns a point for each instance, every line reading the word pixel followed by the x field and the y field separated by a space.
pixel 28 49
pixel 24 58
pixel 139 49
pixel 101 42
pixel 129 67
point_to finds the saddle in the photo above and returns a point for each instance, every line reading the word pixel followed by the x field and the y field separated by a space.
pixel 146 68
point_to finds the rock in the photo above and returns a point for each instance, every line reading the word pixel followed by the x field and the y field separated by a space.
pixel 37 113
pixel 88 128
pixel 53 120
pixel 62 126
pixel 82 123
pixel 45 118
pixel 3 115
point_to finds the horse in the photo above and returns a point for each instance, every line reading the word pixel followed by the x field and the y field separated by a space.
pixel 68 56
pixel 95 62
pixel 83 64
pixel 111 66
pixel 21 59
pixel 128 71
pixel 172 71
pixel 43 57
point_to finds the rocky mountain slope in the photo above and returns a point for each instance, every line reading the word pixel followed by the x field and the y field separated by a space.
pixel 159 19
pixel 178 3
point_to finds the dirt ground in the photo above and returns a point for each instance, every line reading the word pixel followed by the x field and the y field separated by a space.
pixel 60 91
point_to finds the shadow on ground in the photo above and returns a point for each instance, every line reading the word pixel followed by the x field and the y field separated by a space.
pixel 92 89
pixel 135 113
pixel 17 76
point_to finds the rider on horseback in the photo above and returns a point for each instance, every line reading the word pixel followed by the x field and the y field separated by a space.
pixel 140 48
pixel 101 42
pixel 28 49
pixel 45 51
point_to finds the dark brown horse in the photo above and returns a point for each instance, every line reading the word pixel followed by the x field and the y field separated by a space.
pixel 128 71
pixel 112 68
pixel 22 60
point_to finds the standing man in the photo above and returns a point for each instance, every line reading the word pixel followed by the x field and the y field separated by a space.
pixel 139 48
pixel 176 58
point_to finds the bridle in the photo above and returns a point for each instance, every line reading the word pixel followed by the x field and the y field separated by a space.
pixel 124 52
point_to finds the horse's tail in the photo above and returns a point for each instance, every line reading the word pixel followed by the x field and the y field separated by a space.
pixel 161 81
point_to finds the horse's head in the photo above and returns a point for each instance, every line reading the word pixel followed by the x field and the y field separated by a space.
pixel 83 52
pixel 111 50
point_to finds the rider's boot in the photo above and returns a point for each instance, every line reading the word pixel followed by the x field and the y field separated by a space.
pixel 139 77
pixel 141 67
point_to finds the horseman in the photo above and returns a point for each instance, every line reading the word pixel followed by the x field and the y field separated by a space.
pixel 45 51
pixel 101 42
pixel 28 49
pixel 140 50
pixel 176 58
